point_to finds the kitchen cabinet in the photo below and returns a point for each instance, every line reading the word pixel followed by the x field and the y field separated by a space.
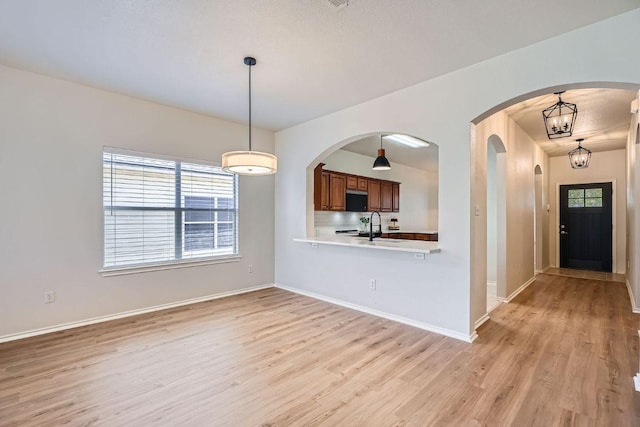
pixel 352 182
pixel 330 188
pixel 337 192
pixel 395 190
pixel 373 199
pixel 386 196
pixel 427 237
pixel 363 184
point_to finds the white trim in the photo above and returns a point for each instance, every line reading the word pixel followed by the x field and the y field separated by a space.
pixel 517 291
pixel 636 381
pixel 634 307
pixel 614 227
pixel 491 283
pixel 121 271
pixel 99 319
pixel 481 321
pixel 385 315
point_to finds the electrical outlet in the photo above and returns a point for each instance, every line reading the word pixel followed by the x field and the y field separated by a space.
pixel 250 268
pixel 418 255
pixel 372 284
pixel 314 245
pixel 49 297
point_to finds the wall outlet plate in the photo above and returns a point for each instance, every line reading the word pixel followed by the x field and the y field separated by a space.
pixel 49 297
pixel 372 284
pixel 418 255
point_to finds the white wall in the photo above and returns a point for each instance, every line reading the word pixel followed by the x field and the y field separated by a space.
pixel 515 252
pixel 418 191
pixel 52 133
pixel 605 166
pixel 633 213
pixel 436 291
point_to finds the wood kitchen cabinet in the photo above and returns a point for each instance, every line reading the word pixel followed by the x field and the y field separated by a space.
pixel 352 182
pixel 395 190
pixel 386 196
pixel 373 198
pixel 363 184
pixel 337 192
pixel 330 189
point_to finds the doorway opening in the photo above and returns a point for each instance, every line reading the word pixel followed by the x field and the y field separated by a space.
pixel 496 221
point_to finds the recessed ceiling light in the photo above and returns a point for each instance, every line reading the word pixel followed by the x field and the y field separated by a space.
pixel 407 140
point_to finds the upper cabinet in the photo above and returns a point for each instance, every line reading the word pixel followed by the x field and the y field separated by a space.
pixel 330 188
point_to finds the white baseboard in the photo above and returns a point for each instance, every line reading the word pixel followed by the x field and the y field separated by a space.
pixel 517 291
pixel 490 283
pixel 636 381
pixel 634 307
pixel 384 315
pixel 99 319
pixel 481 321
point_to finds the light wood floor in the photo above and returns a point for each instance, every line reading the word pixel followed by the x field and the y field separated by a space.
pixel 562 353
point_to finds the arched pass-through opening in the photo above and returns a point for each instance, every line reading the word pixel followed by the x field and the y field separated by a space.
pixel 538 215
pixel 496 191
pixel 412 180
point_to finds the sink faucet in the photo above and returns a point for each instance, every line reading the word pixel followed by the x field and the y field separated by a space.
pixel 371 225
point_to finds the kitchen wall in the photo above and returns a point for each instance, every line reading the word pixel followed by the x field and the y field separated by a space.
pixel 605 166
pixel 418 195
pixel 52 134
pixel 435 292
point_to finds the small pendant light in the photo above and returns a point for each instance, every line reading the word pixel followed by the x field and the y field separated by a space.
pixel 580 157
pixel 381 163
pixel 249 162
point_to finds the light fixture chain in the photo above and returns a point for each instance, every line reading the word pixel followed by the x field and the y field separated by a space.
pixel 250 107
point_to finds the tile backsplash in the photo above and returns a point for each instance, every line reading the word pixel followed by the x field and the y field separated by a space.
pixel 327 222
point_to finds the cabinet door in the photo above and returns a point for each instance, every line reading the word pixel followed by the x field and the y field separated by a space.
pixel 324 191
pixel 352 182
pixel 362 184
pixel 386 197
pixel 422 236
pixel 373 199
pixel 337 192
pixel 396 197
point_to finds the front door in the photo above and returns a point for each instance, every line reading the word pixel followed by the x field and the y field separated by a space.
pixel 585 226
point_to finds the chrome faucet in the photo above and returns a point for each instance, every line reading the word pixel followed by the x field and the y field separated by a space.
pixel 371 225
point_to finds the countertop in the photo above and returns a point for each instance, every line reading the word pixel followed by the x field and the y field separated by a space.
pixel 415 246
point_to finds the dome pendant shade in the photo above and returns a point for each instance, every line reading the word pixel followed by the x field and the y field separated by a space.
pixel 249 162
pixel 580 157
pixel 381 163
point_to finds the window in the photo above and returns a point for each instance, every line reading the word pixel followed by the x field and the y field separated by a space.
pixel 585 198
pixel 158 210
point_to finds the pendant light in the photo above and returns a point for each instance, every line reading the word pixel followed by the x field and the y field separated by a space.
pixel 249 162
pixel 580 157
pixel 560 118
pixel 381 163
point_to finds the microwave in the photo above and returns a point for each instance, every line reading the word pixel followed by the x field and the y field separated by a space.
pixel 356 201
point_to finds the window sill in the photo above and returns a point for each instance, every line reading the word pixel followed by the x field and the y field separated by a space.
pixel 120 271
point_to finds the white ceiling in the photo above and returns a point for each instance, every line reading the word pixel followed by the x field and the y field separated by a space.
pixel 313 59
pixel 420 158
pixel 603 119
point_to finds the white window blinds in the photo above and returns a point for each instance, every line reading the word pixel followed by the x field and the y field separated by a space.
pixel 158 210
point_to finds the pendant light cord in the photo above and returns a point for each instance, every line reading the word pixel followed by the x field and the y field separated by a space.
pixel 250 106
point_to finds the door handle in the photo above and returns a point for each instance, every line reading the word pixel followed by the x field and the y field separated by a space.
pixel 563 232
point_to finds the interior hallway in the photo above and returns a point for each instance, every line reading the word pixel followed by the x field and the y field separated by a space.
pixel 563 352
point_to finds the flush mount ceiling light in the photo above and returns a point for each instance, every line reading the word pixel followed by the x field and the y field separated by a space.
pixel 407 140
pixel 560 118
pixel 580 156
pixel 381 163
pixel 249 162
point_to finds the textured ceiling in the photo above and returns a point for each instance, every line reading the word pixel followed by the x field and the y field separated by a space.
pixel 419 158
pixel 603 119
pixel 313 58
